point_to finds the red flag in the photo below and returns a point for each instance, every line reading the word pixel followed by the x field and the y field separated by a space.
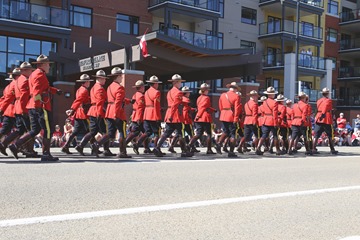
pixel 143 47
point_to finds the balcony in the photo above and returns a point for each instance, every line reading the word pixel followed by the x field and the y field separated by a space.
pixel 350 47
pixel 306 32
pixel 316 3
pixel 212 5
pixel 312 62
pixel 196 39
pixel 273 61
pixel 349 98
pixel 349 72
pixel 34 13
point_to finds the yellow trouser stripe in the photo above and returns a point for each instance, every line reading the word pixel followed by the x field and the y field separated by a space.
pixel 124 128
pixel 47 124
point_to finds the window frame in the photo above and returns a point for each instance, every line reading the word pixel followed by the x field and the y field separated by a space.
pixel 73 12
pixel 329 33
pixel 252 12
pixel 131 23
pixel 332 3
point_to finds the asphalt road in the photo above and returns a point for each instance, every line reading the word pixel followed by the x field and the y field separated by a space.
pixel 204 197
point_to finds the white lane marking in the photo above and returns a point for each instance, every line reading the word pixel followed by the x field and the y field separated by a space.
pixel 351 238
pixel 167 207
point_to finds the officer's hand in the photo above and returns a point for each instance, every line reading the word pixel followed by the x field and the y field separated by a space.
pixel 139 123
pixel 1 113
pixel 69 112
pixel 215 111
pixel 132 101
pixel 170 119
pixel 59 92
pixel 197 119
pixel 38 109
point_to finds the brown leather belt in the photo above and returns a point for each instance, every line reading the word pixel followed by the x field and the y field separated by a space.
pixel 297 117
pixel 268 114
pixel 149 105
pixel 110 102
pixel 226 109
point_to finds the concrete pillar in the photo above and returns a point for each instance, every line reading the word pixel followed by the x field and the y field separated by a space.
pixel 326 80
pixel 289 76
pixel 131 76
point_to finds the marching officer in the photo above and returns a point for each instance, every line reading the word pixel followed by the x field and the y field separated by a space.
pixel 7 104
pixel 203 118
pixel 187 112
pixel 137 117
pixel 251 121
pixel 308 125
pixel 39 106
pixel 22 124
pixel 261 121
pixel 282 123
pixel 299 118
pixel 152 114
pixel 270 120
pixel 96 115
pixel 323 120
pixel 289 114
pixel 115 113
pixel 81 124
pixel 229 106
pixel 174 118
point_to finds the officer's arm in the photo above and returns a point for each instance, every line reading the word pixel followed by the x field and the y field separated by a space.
pixel 81 98
pixel 220 102
pixel 305 115
pixel 100 95
pixel 255 113
pixel 9 97
pixel 119 97
pixel 141 107
pixel 24 94
pixel 156 102
pixel 237 108
pixel 202 107
pixel 177 101
pixel 275 112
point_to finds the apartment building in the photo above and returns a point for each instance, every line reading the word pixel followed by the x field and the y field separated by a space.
pixel 348 80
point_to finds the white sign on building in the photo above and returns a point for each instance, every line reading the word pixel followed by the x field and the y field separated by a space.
pixel 85 64
pixel 101 61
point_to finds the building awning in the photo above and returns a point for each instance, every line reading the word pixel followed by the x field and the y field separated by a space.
pixel 167 56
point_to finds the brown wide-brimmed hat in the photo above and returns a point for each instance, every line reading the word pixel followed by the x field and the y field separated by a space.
pixel 139 83
pixel 233 85
pixel 253 93
pixel 301 95
pixel 15 71
pixel 280 98
pixel 26 65
pixel 185 89
pixel 84 78
pixel 176 78
pixel 100 74
pixel 270 90
pixel 116 71
pixel 154 79
pixel 325 90
pixel 289 101
pixel 204 86
pixel 262 99
pixel 10 78
pixel 42 59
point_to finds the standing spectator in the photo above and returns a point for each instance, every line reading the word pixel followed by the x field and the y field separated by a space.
pixel 56 137
pixel 341 122
pixel 357 123
pixel 309 57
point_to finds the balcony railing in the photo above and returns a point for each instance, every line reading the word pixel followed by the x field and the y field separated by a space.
pixel 345 72
pixel 317 3
pixel 212 5
pixel 349 16
pixel 289 27
pixel 273 60
pixel 311 31
pixel 276 27
pixel 34 13
pixel 309 61
pixel 196 39
pixel 351 98
pixel 350 44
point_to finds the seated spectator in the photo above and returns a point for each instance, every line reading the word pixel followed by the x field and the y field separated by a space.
pixel 68 129
pixel 355 139
pixel 357 123
pixel 56 137
pixel 341 122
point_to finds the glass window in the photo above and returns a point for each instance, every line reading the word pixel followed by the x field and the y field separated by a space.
pixel 331 35
pixel 3 45
pixel 16 45
pixel 80 16
pixel 333 7
pixel 31 58
pixel 247 44
pixel 221 8
pixel 248 15
pixel 48 47
pixel 333 63
pixel 127 24
pixel 32 47
pixel 220 39
pixel 2 62
pixel 14 60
